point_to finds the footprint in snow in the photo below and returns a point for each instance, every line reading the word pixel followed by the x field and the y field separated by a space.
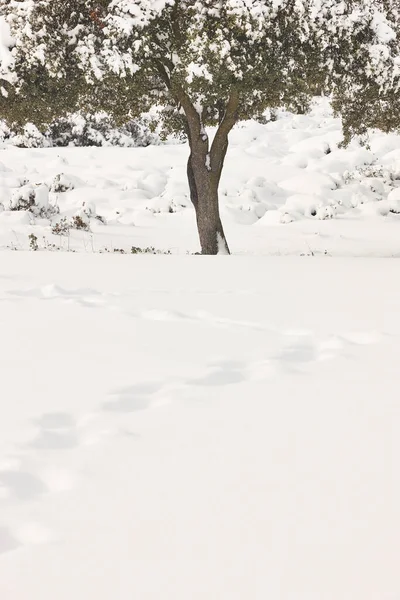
pixel 133 398
pixel 84 297
pixel 55 421
pixel 60 431
pixel 22 482
pixel 56 431
pixel 20 485
pixel 7 541
pixel 302 349
pixel 231 372
pixel 220 377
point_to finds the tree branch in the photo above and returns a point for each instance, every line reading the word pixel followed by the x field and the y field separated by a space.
pixel 220 143
pixel 163 73
pixel 193 118
pixel 175 29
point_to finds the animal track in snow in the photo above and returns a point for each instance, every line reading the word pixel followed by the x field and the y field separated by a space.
pixel 55 440
pixel 141 397
pixel 7 541
pixel 299 350
pixel 62 432
pixel 219 377
pixel 21 485
pixel 55 421
pixel 84 297
pixel 56 431
pixel 201 317
pixel 31 476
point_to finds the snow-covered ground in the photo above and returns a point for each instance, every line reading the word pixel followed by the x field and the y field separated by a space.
pixel 203 428
pixel 188 427
pixel 287 188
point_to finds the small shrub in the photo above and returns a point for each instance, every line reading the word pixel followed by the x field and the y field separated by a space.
pixel 77 222
pixel 81 221
pixel 61 183
pixel 148 250
pixel 83 129
pixel 61 228
pixel 23 199
pixel 374 171
pixel 29 137
pixel 33 242
pixel 34 199
pixel 88 211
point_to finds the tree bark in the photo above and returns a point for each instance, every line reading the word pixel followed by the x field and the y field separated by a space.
pixel 204 171
pixel 204 196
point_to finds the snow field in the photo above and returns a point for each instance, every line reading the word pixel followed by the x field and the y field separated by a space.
pixel 184 426
pixel 204 427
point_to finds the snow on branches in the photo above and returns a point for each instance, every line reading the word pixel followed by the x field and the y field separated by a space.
pixel 272 52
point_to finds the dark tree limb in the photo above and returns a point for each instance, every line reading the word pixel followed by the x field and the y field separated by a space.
pixel 219 146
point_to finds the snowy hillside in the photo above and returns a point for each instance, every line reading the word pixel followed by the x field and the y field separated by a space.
pixel 287 189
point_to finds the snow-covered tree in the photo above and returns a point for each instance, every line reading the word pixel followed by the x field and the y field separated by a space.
pixel 203 62
pixel 366 77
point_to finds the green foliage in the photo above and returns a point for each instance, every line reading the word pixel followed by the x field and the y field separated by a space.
pixel 79 54
pixel 126 56
pixel 366 76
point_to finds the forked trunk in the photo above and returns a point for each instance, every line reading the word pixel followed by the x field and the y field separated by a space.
pixel 205 167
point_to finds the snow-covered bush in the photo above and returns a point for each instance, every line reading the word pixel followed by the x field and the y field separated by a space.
pixel 62 183
pixel 81 130
pixel 87 212
pixel 367 81
pixel 394 201
pixel 81 220
pixel 30 137
pixel 374 171
pixel 33 198
pixel 99 130
pixel 371 183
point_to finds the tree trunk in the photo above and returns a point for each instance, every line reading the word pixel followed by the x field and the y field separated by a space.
pixel 204 196
pixel 204 169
